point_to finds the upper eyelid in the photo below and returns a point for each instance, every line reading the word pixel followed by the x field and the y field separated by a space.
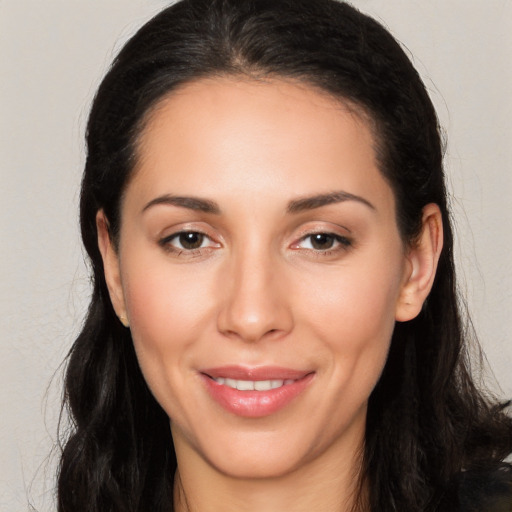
pixel 175 234
pixel 337 231
pixel 341 232
pixel 324 227
pixel 320 231
pixel 336 236
pixel 172 231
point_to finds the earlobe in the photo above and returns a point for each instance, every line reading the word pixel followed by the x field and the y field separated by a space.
pixel 422 261
pixel 111 267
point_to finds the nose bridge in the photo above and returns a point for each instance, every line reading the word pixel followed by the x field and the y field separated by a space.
pixel 255 305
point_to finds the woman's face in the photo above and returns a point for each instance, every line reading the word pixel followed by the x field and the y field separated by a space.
pixel 261 270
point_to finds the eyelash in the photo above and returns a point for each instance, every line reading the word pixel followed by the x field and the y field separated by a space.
pixel 166 243
pixel 343 243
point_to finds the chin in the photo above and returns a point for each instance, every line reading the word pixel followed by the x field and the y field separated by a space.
pixel 270 452
pixel 264 465
pixel 265 452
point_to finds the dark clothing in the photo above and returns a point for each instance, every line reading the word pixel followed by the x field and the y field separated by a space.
pixel 486 491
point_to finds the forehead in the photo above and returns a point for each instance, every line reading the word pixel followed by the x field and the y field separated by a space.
pixel 236 136
pixel 216 101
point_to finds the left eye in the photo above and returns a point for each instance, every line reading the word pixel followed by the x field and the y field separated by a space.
pixel 323 241
pixel 188 241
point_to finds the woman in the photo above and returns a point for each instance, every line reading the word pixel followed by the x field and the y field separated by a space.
pixel 265 212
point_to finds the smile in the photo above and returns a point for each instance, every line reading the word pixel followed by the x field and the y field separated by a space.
pixel 253 385
pixel 256 392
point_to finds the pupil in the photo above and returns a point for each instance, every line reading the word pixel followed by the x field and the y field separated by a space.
pixel 191 240
pixel 322 241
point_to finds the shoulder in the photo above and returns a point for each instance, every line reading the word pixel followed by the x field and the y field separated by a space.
pixel 486 491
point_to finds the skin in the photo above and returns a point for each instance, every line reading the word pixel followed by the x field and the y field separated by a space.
pixel 258 292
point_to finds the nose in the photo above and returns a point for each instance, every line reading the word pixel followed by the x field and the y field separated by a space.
pixel 256 302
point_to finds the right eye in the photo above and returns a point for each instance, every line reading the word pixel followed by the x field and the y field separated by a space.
pixel 188 241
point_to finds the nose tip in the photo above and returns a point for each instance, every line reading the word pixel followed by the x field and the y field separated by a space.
pixel 255 307
pixel 249 329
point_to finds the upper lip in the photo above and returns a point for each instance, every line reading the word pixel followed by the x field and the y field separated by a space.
pixel 255 373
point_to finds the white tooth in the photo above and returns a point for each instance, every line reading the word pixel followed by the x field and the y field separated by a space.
pixel 245 385
pixel 262 385
pixel 276 384
pixel 231 383
pixel 250 385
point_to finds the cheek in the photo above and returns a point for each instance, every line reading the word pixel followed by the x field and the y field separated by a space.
pixel 355 323
pixel 166 302
pixel 164 305
pixel 169 311
pixel 354 307
pixel 353 314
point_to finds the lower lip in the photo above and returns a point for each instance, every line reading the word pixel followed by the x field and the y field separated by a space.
pixel 255 404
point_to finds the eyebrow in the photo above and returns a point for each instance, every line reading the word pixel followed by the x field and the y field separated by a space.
pixel 295 206
pixel 192 203
pixel 317 201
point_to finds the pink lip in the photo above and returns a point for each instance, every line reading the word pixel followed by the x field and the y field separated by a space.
pixel 255 404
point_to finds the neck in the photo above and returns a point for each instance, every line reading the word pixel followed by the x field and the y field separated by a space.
pixel 329 483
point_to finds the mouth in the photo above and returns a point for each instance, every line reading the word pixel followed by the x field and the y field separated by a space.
pixel 253 385
pixel 255 392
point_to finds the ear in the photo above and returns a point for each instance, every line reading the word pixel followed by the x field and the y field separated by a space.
pixel 421 266
pixel 111 267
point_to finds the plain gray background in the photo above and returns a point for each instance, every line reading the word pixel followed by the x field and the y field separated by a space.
pixel 53 54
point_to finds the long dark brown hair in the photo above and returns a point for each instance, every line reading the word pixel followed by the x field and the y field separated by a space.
pixel 428 428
